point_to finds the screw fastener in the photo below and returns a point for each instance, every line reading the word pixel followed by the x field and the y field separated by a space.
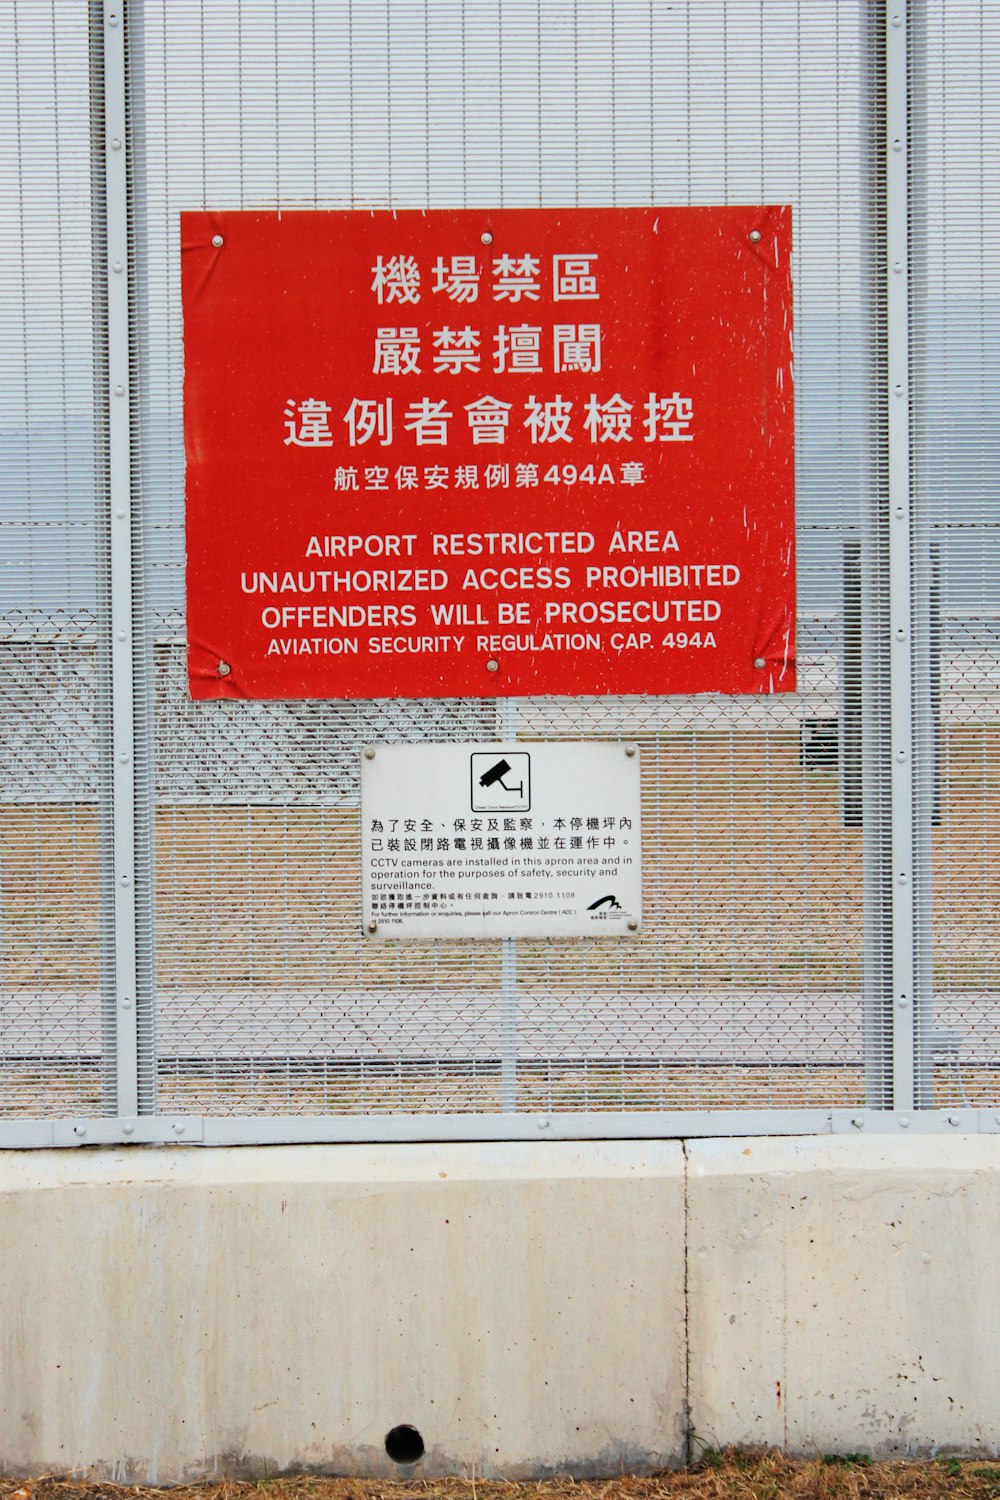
pixel 486 237
pixel 759 662
pixel 630 751
pixel 633 925
pixel 217 240
pixel 224 669
pixel 372 927
pixel 492 665
pixel 369 753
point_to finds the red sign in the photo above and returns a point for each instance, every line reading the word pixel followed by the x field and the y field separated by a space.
pixel 483 453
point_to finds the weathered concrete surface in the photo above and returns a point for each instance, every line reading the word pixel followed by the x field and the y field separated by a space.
pixel 844 1294
pixel 167 1313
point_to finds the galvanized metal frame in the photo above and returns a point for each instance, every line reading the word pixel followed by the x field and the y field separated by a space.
pixel 897 103
pixel 126 1124
pixel 215 1130
pixel 123 737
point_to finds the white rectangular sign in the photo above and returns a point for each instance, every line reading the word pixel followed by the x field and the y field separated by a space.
pixel 509 840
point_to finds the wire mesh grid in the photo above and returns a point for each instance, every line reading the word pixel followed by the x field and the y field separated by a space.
pixel 746 986
pixel 53 579
pixel 956 452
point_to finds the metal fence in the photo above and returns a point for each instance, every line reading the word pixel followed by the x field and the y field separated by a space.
pixel 180 946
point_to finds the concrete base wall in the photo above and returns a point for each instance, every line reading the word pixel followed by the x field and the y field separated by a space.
pixel 844 1294
pixel 175 1312
pixel 167 1313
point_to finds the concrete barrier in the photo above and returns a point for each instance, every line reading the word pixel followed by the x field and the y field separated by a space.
pixel 172 1313
pixel 844 1294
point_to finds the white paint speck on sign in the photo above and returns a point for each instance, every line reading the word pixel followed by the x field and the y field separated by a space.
pixel 507 840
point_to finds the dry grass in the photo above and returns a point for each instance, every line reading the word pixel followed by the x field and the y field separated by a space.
pixel 719 1476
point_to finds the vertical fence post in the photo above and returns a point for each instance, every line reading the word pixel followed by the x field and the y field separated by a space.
pixel 110 14
pixel 102 528
pixel 900 554
pixel 926 563
pixel 509 1021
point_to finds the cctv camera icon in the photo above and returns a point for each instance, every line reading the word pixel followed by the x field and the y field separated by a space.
pixel 497 773
pixel 501 783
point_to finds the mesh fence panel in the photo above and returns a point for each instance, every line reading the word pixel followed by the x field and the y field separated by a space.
pixel 53 577
pixel 956 451
pixel 762 975
pixel 745 989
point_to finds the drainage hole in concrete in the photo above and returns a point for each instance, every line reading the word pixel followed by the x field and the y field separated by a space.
pixel 404 1444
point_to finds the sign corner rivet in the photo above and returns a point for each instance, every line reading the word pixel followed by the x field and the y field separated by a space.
pixel 373 927
pixel 630 750
pixel 369 753
pixel 633 925
pixel 492 665
pixel 755 236
pixel 759 661
pixel 487 237
pixel 224 669
pixel 217 240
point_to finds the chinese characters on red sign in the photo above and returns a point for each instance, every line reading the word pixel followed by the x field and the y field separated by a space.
pixel 467 453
